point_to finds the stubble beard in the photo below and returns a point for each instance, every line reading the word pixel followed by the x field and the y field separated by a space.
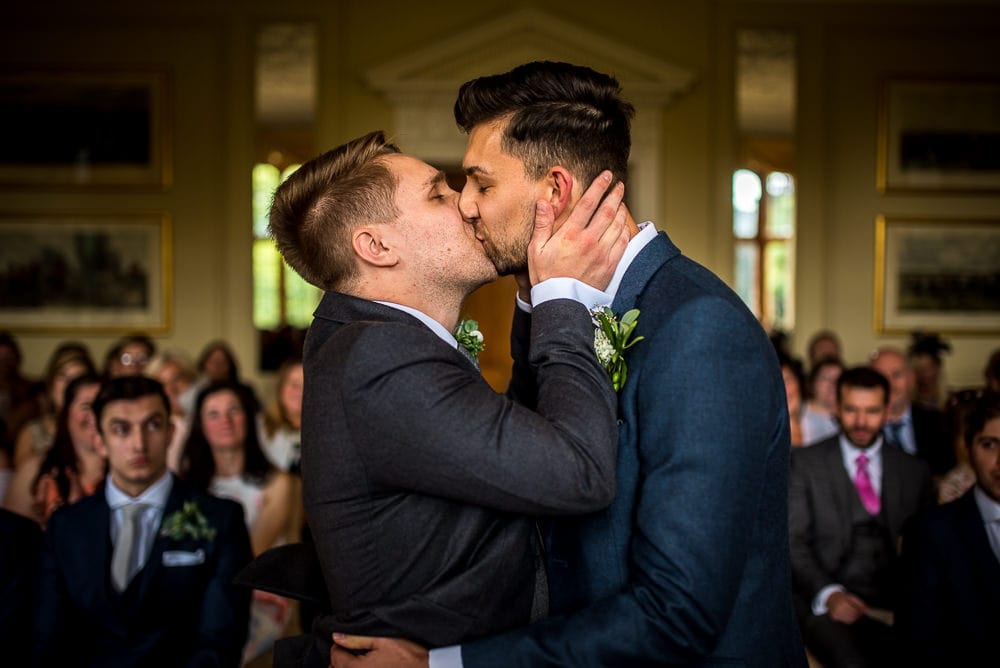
pixel 510 256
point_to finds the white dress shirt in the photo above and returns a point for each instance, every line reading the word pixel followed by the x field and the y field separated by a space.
pixel 566 288
pixel 990 512
pixel 155 497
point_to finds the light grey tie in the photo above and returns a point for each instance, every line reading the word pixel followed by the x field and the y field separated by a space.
pixel 468 355
pixel 125 558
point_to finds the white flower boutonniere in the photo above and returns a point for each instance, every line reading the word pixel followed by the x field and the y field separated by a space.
pixel 469 337
pixel 188 522
pixel 611 340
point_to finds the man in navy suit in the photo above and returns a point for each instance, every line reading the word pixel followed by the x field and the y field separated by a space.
pixel 141 573
pixel 950 608
pixel 690 564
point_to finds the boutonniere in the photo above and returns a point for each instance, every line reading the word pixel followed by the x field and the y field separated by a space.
pixel 188 522
pixel 469 337
pixel 611 340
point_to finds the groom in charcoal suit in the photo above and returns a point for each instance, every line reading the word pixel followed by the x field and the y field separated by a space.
pixel 418 479
pixel 170 601
pixel 689 565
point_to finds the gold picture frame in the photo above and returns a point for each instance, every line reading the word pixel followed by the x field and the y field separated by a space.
pixel 938 135
pixel 85 129
pixel 935 274
pixel 86 272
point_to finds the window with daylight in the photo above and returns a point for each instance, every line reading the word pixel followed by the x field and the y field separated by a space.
pixel 763 188
pixel 285 130
pixel 764 231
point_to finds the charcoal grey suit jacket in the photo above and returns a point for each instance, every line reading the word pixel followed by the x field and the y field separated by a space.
pixel 419 480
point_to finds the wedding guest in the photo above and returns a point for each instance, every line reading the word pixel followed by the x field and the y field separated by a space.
pixel 281 422
pixel 129 356
pixel 141 573
pixel 819 420
pixel 849 498
pixel 217 363
pixel 72 468
pixel 915 429
pixel 177 375
pixel 950 610
pixel 17 393
pixel 824 344
pixel 924 356
pixel 223 456
pixel 791 373
pixel 67 361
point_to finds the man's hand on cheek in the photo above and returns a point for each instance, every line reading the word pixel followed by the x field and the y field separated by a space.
pixel 588 245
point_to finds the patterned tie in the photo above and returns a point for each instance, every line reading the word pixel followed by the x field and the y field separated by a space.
pixel 125 558
pixel 864 484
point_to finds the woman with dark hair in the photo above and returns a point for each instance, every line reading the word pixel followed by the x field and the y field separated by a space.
pixel 72 468
pixel 223 456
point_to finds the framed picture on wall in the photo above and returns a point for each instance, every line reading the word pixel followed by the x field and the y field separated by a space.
pixel 941 135
pixel 940 275
pixel 72 272
pixel 76 128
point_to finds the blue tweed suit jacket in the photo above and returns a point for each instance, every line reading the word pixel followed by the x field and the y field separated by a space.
pixel 690 564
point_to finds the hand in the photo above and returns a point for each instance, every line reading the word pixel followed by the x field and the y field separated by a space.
pixel 845 607
pixel 380 652
pixel 588 245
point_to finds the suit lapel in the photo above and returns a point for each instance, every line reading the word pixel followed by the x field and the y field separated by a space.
pixel 977 546
pixel 94 555
pixel 645 264
pixel 892 489
pixel 844 492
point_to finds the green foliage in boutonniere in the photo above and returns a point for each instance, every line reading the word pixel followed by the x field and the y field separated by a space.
pixel 611 340
pixel 188 522
pixel 469 337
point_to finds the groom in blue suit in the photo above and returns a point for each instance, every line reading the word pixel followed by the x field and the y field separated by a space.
pixel 690 564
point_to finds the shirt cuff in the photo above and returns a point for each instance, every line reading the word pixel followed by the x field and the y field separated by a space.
pixel 819 603
pixel 569 288
pixel 445 657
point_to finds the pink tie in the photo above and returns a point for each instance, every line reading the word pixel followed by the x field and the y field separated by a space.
pixel 864 484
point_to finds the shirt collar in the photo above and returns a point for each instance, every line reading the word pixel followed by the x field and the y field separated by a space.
pixel 988 508
pixel 647 232
pixel 851 451
pixel 155 495
pixel 434 325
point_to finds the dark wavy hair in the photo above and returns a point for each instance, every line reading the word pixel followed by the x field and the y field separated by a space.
pixel 61 457
pixel 556 113
pixel 986 408
pixel 198 465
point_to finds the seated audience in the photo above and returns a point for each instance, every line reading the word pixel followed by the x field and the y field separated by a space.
pixel 791 373
pixel 819 420
pixel 129 356
pixel 223 456
pixel 67 361
pixel 924 357
pixel 824 344
pixel 217 364
pixel 282 419
pixel 72 468
pixel 177 375
pixel 141 573
pixel 849 498
pixel 991 372
pixel 918 430
pixel 950 609
pixel 17 394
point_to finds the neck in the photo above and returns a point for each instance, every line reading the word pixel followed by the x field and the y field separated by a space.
pixel 228 462
pixel 442 304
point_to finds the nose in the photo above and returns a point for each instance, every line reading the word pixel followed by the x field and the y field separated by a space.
pixel 467 206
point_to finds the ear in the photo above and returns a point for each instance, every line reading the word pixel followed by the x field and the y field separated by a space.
pixel 372 246
pixel 560 183
pixel 99 446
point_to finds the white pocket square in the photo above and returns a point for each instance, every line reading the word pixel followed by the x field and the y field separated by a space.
pixel 181 558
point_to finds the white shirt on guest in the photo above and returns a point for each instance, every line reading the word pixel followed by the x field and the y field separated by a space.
pixel 155 497
pixel 989 510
